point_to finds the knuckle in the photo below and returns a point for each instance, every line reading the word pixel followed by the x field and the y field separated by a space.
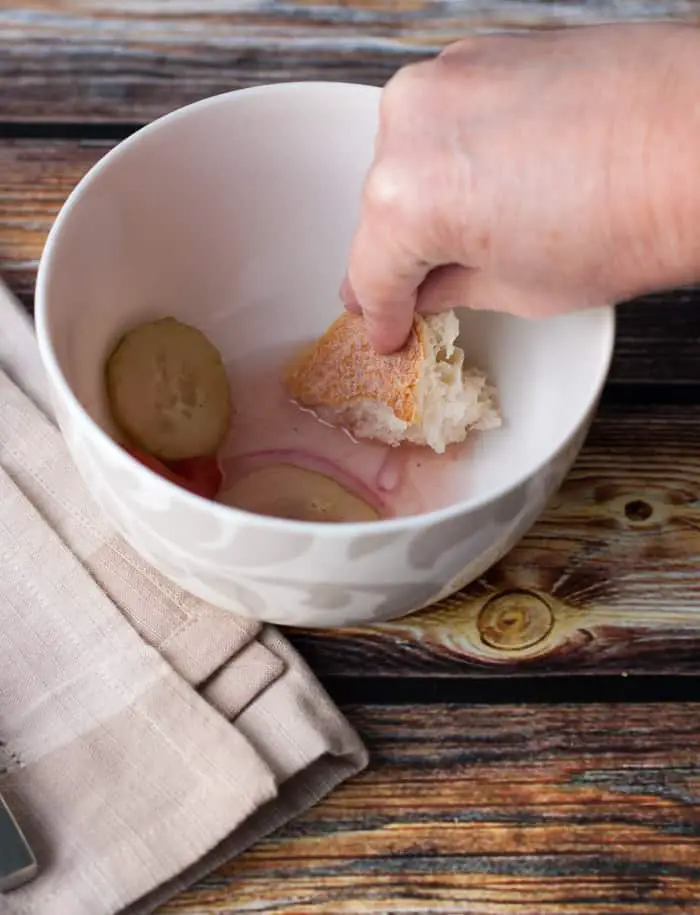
pixel 414 199
pixel 472 60
pixel 464 48
pixel 405 88
pixel 386 191
pixel 397 199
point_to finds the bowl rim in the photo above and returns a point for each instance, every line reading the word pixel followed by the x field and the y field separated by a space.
pixel 222 512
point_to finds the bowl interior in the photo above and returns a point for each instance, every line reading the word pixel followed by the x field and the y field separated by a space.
pixel 236 215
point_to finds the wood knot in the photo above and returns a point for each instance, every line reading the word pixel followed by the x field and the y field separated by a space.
pixel 638 510
pixel 514 621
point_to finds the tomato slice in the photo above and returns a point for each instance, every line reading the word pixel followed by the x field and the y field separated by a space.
pixel 202 473
pixel 201 476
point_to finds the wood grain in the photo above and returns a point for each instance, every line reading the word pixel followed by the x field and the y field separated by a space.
pixel 613 563
pixel 508 811
pixel 133 60
pixel 658 337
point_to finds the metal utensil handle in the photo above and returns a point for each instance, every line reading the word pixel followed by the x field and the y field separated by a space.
pixel 17 862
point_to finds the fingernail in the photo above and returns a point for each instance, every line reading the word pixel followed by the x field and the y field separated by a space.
pixel 348 297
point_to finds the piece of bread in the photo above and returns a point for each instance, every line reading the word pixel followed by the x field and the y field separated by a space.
pixel 422 394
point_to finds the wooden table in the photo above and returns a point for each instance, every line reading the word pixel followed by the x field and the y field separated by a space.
pixel 535 742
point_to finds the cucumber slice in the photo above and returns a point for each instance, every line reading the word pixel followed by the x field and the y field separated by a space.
pixel 168 390
pixel 287 491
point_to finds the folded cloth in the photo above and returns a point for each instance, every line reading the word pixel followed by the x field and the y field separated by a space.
pixel 145 736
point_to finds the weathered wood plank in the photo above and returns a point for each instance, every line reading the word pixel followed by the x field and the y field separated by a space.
pixel 568 810
pixel 608 580
pixel 658 339
pixel 132 60
pixel 510 811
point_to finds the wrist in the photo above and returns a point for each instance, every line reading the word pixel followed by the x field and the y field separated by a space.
pixel 668 239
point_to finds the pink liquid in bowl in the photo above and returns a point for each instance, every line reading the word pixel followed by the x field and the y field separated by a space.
pixel 268 428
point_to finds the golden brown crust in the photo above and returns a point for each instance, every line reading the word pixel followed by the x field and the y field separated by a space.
pixel 342 367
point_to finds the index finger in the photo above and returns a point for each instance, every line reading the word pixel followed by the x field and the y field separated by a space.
pixel 384 274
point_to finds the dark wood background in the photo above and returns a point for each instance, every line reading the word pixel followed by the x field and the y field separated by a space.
pixel 535 739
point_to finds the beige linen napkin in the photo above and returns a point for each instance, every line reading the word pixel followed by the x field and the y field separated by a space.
pixel 145 736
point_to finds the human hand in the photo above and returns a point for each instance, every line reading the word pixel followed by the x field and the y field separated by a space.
pixel 528 174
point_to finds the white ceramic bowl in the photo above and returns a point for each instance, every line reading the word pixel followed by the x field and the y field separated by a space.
pixel 237 212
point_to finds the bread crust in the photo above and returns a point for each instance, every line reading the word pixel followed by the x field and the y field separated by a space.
pixel 342 367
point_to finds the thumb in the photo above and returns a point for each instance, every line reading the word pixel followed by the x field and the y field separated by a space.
pixel 448 287
pixel 460 287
